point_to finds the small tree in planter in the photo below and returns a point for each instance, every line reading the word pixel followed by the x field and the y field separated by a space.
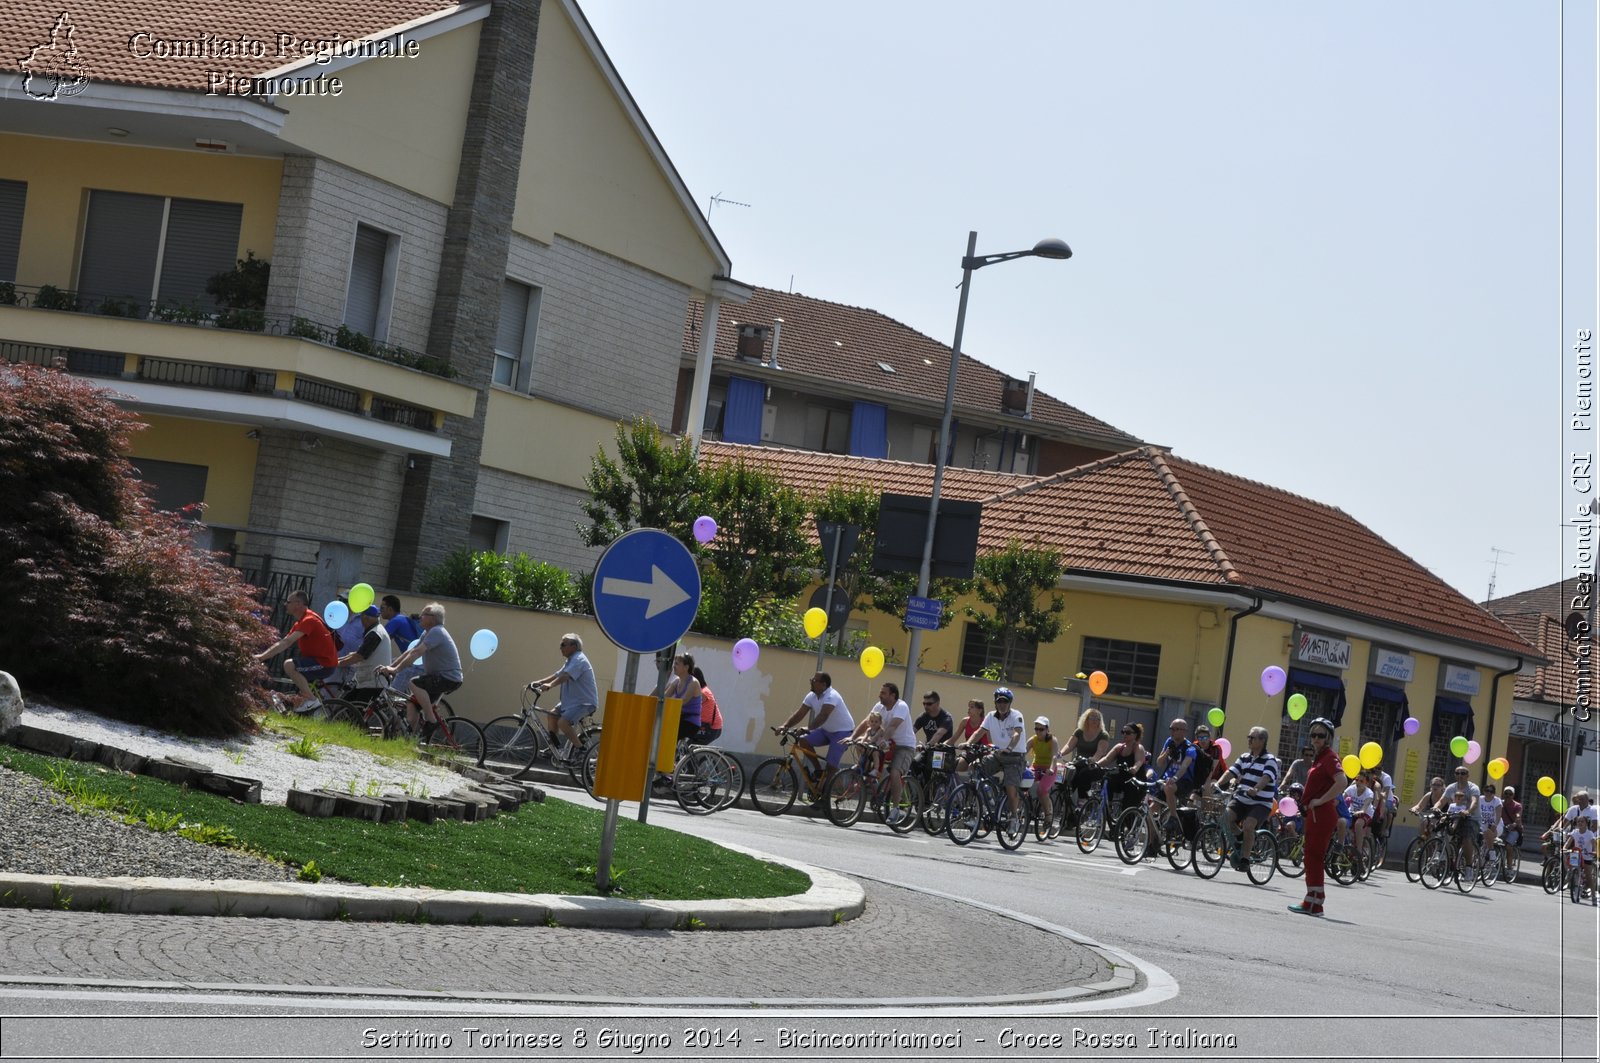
pixel 242 294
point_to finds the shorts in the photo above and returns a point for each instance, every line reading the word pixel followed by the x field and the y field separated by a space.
pixel 1044 780
pixel 1466 823
pixel 705 736
pixel 437 686
pixel 687 729
pixel 1360 819
pixel 1185 787
pixel 574 713
pixel 1010 768
pixel 903 756
pixel 312 670
pixel 834 740
pixel 1243 811
pixel 1086 778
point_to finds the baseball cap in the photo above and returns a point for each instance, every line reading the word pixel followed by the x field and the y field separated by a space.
pixel 370 610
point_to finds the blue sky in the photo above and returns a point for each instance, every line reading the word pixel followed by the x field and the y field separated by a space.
pixel 1317 246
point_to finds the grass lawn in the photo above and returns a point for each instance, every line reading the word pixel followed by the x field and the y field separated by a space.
pixel 545 848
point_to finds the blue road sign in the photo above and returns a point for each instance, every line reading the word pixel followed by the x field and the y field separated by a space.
pixel 646 591
pixel 923 613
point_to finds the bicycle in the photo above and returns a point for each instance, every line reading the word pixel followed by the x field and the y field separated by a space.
pixel 1552 876
pixel 1574 863
pixel 1215 844
pixel 1289 855
pixel 866 784
pixel 939 780
pixel 1099 808
pixel 380 716
pixel 1413 860
pixel 1142 828
pixel 452 739
pixel 514 742
pixel 705 779
pixel 1442 859
pixel 979 803
pixel 776 782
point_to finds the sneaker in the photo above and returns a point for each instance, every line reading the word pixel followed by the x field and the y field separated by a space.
pixel 308 706
pixel 1303 909
pixel 1239 863
pixel 894 816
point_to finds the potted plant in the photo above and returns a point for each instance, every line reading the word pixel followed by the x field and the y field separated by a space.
pixel 241 292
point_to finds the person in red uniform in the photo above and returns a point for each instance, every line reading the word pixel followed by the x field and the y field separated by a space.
pixel 1324 783
pixel 315 656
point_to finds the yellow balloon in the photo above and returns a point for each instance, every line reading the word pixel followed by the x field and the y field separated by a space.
pixel 1098 683
pixel 871 661
pixel 1547 786
pixel 361 596
pixel 1352 765
pixel 1371 755
pixel 816 622
pixel 1498 767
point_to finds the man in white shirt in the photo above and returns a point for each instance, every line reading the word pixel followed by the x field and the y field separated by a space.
pixel 1004 727
pixel 894 716
pixel 374 651
pixel 1462 796
pixel 831 722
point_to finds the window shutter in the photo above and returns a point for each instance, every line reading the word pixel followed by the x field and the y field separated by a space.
pixel 119 246
pixel 13 196
pixel 366 280
pixel 869 430
pixel 741 415
pixel 202 240
pixel 513 319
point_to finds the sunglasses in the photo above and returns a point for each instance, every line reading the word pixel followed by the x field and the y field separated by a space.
pixel 1128 732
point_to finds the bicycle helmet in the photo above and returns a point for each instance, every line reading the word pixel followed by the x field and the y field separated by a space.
pixel 1003 693
pixel 1326 724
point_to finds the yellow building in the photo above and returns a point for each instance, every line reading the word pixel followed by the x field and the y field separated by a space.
pixel 480 260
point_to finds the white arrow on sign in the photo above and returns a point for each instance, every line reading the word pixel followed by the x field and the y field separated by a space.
pixel 661 593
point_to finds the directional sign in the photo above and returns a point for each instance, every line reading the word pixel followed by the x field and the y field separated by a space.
pixel 923 613
pixel 646 591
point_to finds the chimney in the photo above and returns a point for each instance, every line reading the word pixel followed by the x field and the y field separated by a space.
pixel 752 342
pixel 1028 410
pixel 777 331
pixel 1014 397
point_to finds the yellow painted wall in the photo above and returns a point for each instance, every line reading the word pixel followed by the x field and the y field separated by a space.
pixel 588 175
pixel 59 173
pixel 533 437
pixel 398 119
pixel 222 448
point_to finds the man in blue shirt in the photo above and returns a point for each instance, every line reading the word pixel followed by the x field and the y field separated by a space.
pixel 1175 764
pixel 401 628
pixel 580 696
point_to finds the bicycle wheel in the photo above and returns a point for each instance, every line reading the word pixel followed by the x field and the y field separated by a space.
pixel 581 761
pixel 1289 855
pixel 1175 846
pixel 1013 825
pixel 698 781
pixel 1091 824
pixel 1414 859
pixel 456 740
pixel 846 797
pixel 346 712
pixel 1489 873
pixel 1510 864
pixel 1040 822
pixel 1133 834
pixel 510 746
pixel 1263 858
pixel 1341 866
pixel 901 816
pixel 733 779
pixel 963 814
pixel 935 803
pixel 1434 863
pixel 773 786
pixel 1368 851
pixel 1550 875
pixel 1467 874
pixel 1207 851
pixel 588 769
pixel 1575 884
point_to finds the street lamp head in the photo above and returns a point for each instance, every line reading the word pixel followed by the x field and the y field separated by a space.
pixel 1052 247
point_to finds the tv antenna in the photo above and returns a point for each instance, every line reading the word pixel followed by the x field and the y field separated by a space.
pixel 719 198
pixel 1495 569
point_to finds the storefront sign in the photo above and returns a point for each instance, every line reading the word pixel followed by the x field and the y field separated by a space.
pixel 1323 649
pixel 1535 729
pixel 1392 664
pixel 1459 680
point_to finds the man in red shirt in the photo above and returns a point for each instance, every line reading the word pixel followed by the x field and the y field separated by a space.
pixel 315 656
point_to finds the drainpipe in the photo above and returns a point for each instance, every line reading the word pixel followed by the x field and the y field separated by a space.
pixel 1494 696
pixel 1227 667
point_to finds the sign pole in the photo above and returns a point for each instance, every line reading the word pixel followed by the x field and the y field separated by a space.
pixel 833 574
pixel 664 666
pixel 608 832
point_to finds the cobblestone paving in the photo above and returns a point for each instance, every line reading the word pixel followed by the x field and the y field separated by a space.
pixel 905 945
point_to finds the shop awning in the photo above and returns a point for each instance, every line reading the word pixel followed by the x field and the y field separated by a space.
pixel 1395 696
pixel 1317 681
pixel 1444 708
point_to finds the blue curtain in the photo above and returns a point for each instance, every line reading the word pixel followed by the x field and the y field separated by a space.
pixel 741 413
pixel 1317 681
pixel 869 430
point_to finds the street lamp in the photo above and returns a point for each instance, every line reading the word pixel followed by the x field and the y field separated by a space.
pixel 1048 248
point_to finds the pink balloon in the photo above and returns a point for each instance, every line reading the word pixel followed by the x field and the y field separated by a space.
pixel 1412 725
pixel 705 529
pixel 1226 747
pixel 1273 680
pixel 745 652
pixel 1287 807
pixel 1474 751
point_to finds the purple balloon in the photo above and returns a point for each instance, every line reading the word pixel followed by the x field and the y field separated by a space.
pixel 745 652
pixel 1273 680
pixel 1412 725
pixel 705 529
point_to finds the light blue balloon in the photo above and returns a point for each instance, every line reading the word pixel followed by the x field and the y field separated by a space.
pixel 336 615
pixel 484 643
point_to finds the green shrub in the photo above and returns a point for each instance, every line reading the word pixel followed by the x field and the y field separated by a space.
pixel 121 610
pixel 52 298
pixel 307 330
pixel 351 340
pixel 512 579
pixel 540 585
pixel 244 287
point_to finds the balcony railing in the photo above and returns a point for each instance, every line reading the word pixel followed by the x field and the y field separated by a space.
pixel 201 375
pixel 86 363
pixel 49 297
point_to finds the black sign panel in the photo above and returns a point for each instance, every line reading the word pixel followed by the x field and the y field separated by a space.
pixel 903 527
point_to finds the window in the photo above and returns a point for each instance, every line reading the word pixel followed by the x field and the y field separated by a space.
pixel 827 430
pixel 155 248
pixel 1130 667
pixel 372 265
pixel 979 653
pixel 13 195
pixel 487 533
pixel 172 484
pixel 513 341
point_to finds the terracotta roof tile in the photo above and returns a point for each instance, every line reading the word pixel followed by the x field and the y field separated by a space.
pixel 104 29
pixel 843 345
pixel 812 473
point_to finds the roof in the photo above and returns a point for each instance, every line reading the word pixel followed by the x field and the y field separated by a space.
pixel 1539 615
pixel 123 41
pixel 1147 514
pixel 1553 600
pixel 843 345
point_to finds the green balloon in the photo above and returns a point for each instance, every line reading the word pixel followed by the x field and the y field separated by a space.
pixel 1559 803
pixel 1458 745
pixel 1297 706
pixel 1215 716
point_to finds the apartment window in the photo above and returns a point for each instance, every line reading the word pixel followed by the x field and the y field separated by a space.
pixel 513 342
pixel 979 653
pixel 827 429
pixel 172 484
pixel 13 195
pixel 156 248
pixel 372 267
pixel 487 533
pixel 1130 667
pixel 924 444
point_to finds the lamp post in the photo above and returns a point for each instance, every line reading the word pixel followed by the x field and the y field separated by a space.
pixel 1049 248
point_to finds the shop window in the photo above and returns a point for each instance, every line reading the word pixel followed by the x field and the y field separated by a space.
pixel 979 653
pixel 1130 667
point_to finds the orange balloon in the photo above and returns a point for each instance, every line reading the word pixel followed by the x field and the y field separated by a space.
pixel 1098 682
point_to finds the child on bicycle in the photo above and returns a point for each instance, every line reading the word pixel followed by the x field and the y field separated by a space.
pixel 1043 749
pixel 1581 840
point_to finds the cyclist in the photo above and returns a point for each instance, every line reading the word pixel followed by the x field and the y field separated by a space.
pixel 1360 799
pixel 1128 758
pixel 374 651
pixel 1580 809
pixel 580 695
pixel 1429 800
pixel 1489 808
pixel 1296 824
pixel 1254 781
pixel 441 665
pixel 1462 796
pixel 1511 817
pixel 1298 768
pixel 403 631
pixel 1089 740
pixel 314 657
pixel 710 715
pixel 934 723
pixel 972 724
pixel 831 724
pixel 1209 763
pixel 1042 752
pixel 685 686
pixel 893 717
pixel 1002 729
pixel 1176 766
pixel 1582 841
pixel 1383 805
